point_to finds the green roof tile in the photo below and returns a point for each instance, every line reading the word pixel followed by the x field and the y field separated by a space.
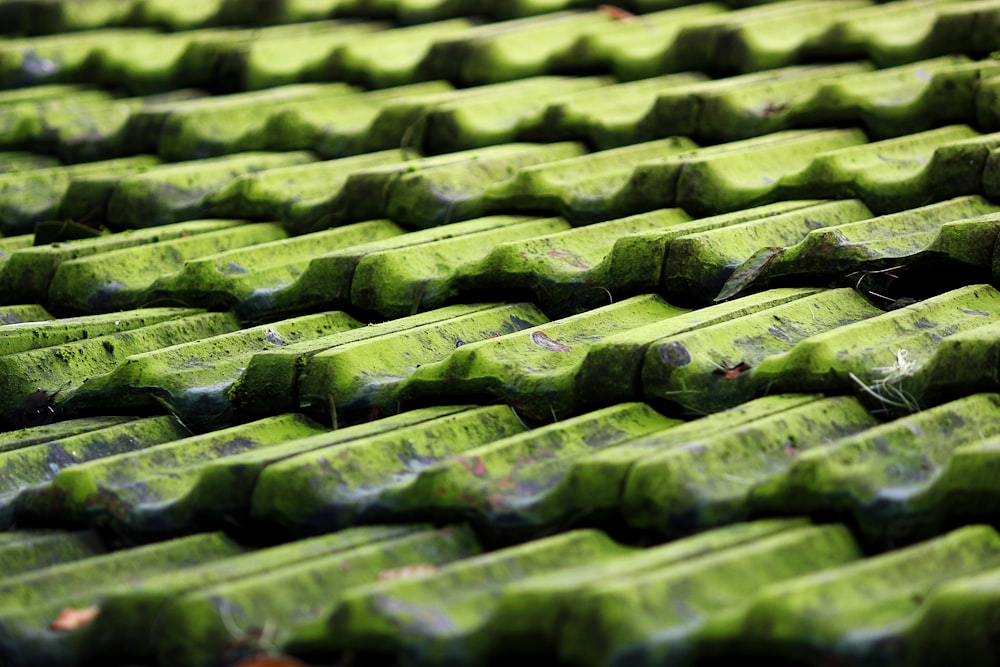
pixel 708 480
pixel 961 231
pixel 196 480
pixel 35 600
pixel 300 196
pixel 284 54
pixel 874 357
pixel 392 57
pixel 912 30
pixel 587 481
pixel 530 612
pixel 368 121
pixel 715 367
pixel 299 493
pixel 224 124
pixel 894 174
pixel 17 161
pixel 509 50
pixel 756 200
pixel 441 189
pixel 191 379
pixel 31 465
pixel 369 376
pixel 33 196
pixel 611 370
pixel 647 617
pixel 24 551
pixel 378 617
pixel 217 279
pixel 565 270
pixel 130 612
pixel 118 279
pixel 611 115
pixel 516 487
pixel 327 280
pixel 538 369
pixel 891 480
pixel 29 269
pixel 23 313
pixel 697 264
pixel 645 46
pixel 177 192
pixel 35 335
pixel 34 378
pixel 55 58
pixel 270 383
pixel 104 491
pixel 809 616
pixel 590 187
pixel 758 38
pixel 957 609
pixel 199 625
pixel 402 281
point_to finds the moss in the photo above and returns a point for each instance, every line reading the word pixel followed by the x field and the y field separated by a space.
pixel 402 281
pixel 517 487
pixel 181 192
pixel 720 361
pixel 54 369
pixel 620 612
pixel 96 573
pixel 369 374
pixel 353 482
pixel 206 623
pixel 708 481
pixel 393 615
pixel 879 591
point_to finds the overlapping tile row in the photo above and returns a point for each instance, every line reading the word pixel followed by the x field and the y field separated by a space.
pixel 480 464
pixel 559 178
pixel 378 267
pixel 38 17
pixel 774 588
pixel 335 119
pixel 289 287
pixel 175 192
pixel 457 49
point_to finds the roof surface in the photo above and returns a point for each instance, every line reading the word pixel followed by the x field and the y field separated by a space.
pixel 450 332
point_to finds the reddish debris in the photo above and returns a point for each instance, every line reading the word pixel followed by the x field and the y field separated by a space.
pixel 734 371
pixel 474 465
pixel 270 661
pixel 616 13
pixel 71 618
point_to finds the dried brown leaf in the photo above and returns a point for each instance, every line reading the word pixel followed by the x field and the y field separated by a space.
pixel 71 618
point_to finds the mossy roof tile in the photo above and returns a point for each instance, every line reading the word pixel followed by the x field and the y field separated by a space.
pixel 755 197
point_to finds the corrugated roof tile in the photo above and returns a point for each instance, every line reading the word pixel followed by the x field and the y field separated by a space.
pixel 35 378
pixel 214 280
pixel 369 376
pixel 835 162
pixel 658 615
pixel 805 617
pixel 32 196
pixel 24 465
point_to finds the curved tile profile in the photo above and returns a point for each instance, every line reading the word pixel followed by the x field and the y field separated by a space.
pixel 499 331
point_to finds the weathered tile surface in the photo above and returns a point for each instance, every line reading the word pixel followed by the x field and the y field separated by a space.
pixel 676 319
